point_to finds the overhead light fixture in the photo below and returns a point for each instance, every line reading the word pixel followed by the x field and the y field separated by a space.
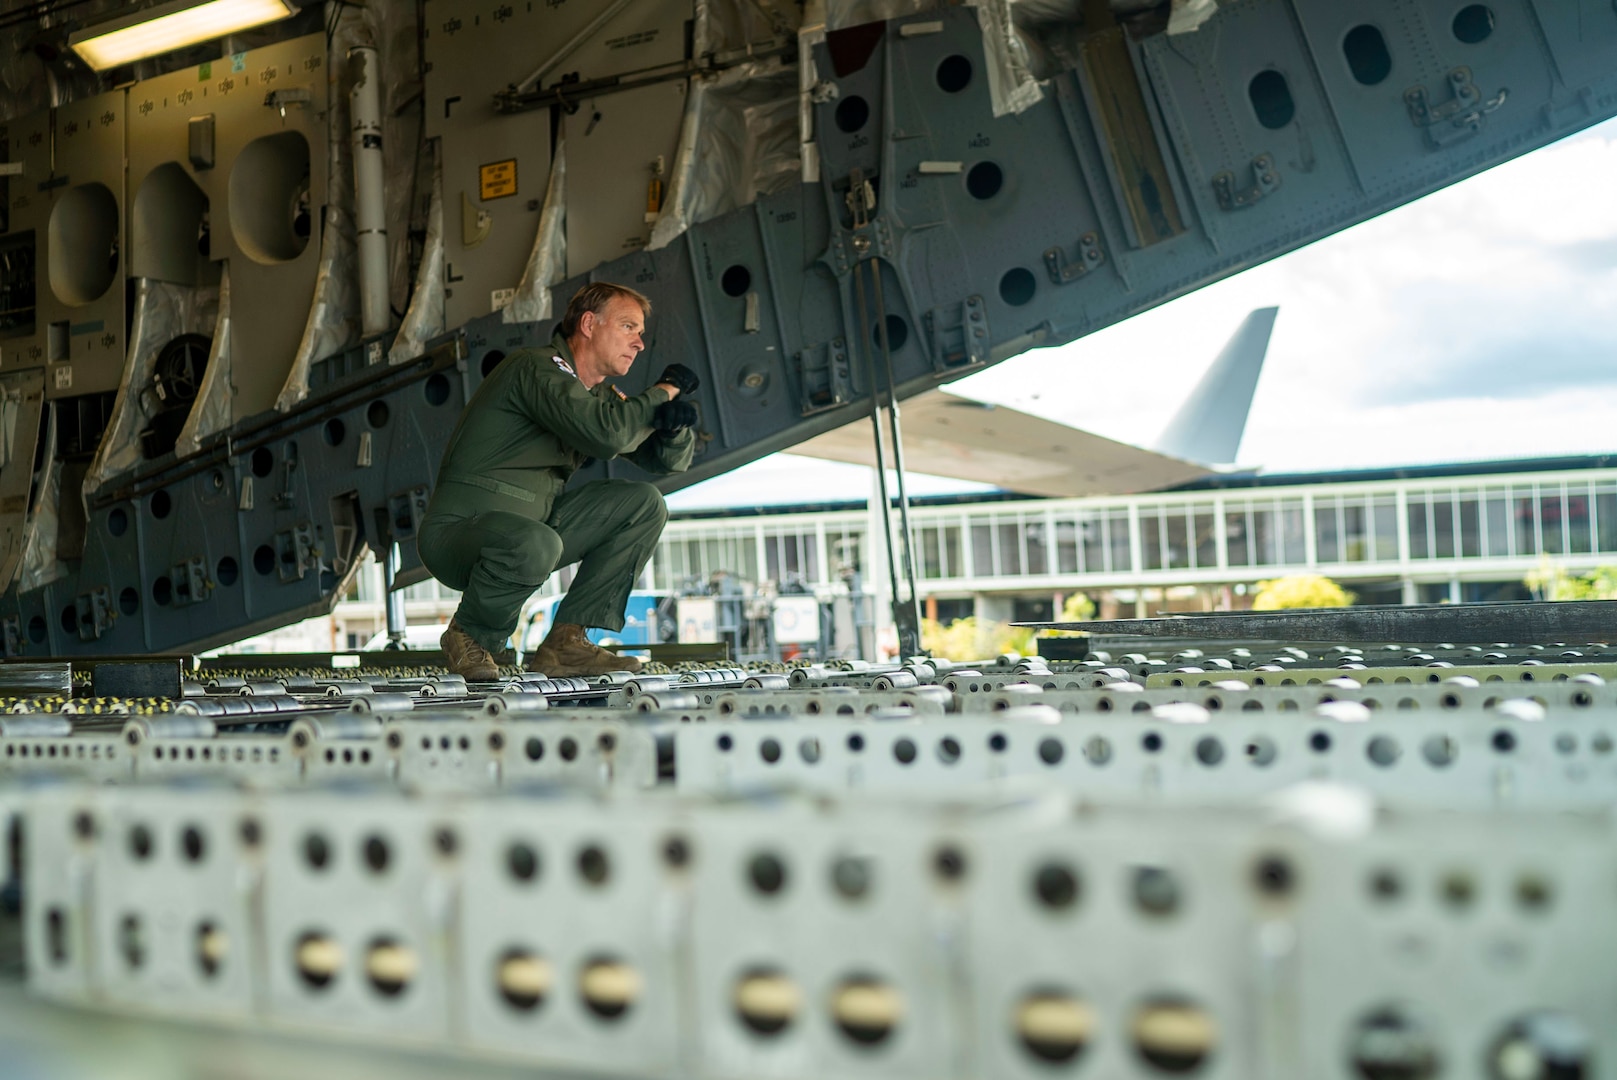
pixel 171 26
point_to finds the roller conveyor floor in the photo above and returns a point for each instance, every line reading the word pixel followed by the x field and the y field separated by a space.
pixel 1224 860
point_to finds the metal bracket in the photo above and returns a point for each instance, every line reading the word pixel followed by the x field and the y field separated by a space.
pixel 475 223
pixel 1090 257
pixel 11 630
pixel 959 334
pixel 95 613
pixel 823 377
pixel 1265 179
pixel 289 465
pixel 405 511
pixel 292 95
pixel 190 579
pixel 295 554
pixel 1458 118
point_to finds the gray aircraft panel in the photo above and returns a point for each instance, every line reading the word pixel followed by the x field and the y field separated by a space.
pixel 611 143
pixel 486 240
pixel 252 210
pixel 79 312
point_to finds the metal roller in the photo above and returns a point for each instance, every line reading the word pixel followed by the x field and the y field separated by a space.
pixel 318 959
pixel 666 701
pixel 524 979
pixel 268 704
pixel 213 946
pixel 35 727
pixel 768 1001
pixel 767 682
pixel 445 689
pixel 934 695
pixel 895 680
pixel 509 702
pixel 713 676
pixel 141 728
pixel 867 1011
pixel 1174 1036
pixel 264 687
pixel 382 703
pixel 924 674
pixel 1055 1027
pixel 391 966
pixel 808 676
pixel 347 688
pixel 610 987
pixel 646 684
pixel 310 729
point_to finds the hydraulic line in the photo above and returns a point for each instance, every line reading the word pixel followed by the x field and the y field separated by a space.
pixel 906 615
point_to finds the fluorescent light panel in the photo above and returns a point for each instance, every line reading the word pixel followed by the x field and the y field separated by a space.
pixel 168 27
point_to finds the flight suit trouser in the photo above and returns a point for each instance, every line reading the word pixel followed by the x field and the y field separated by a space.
pixel 497 558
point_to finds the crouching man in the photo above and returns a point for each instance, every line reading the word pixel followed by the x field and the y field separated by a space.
pixel 499 522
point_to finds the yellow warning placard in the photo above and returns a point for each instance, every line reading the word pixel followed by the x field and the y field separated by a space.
pixel 497 179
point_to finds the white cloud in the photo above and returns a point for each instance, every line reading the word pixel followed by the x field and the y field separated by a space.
pixel 1502 286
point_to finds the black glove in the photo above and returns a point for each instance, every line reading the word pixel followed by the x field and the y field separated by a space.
pixel 673 416
pixel 682 378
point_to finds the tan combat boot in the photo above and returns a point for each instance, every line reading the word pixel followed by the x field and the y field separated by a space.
pixel 466 657
pixel 567 652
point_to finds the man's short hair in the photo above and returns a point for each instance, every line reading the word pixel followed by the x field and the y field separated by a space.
pixel 594 297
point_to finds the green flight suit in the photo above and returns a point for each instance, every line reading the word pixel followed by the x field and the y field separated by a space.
pixel 499 524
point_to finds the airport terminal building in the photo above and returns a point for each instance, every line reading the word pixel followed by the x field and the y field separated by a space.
pixel 1429 534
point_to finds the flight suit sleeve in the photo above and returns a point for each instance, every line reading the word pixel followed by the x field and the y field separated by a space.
pixel 598 426
pixel 666 453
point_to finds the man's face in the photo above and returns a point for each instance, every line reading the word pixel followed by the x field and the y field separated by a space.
pixel 616 336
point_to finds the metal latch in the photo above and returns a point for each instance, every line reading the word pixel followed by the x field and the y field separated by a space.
pixel 1458 118
pixel 1090 257
pixel 1265 179
pixel 292 95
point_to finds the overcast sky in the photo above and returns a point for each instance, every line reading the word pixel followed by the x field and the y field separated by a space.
pixel 1477 323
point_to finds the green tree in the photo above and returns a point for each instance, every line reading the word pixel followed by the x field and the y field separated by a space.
pixel 1300 591
pixel 1076 608
pixel 971 639
pixel 1552 582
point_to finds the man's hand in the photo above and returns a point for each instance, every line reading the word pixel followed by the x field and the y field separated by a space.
pixel 681 378
pixel 672 416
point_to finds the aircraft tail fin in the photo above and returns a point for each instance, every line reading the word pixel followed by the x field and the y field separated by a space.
pixel 1208 427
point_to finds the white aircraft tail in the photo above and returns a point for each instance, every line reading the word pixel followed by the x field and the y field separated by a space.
pixel 1208 427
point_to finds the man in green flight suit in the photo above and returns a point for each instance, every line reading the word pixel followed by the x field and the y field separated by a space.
pixel 499 522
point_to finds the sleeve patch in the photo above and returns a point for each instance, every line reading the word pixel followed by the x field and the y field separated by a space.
pixel 621 395
pixel 564 365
